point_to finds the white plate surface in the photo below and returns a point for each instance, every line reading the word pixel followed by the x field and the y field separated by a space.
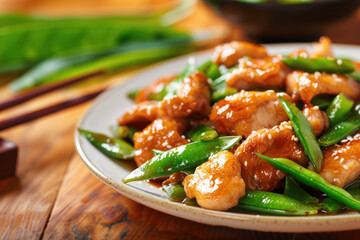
pixel 113 103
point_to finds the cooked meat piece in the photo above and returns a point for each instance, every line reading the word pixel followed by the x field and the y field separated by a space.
pixel 177 177
pixel 217 183
pixel 317 118
pixel 162 134
pixel 244 112
pixel 267 72
pixel 193 97
pixel 229 54
pixel 341 163
pixel 322 48
pixel 154 88
pixel 280 141
pixel 306 85
pixel 299 53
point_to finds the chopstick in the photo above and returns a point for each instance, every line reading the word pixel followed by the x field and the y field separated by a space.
pixel 27 117
pixel 26 96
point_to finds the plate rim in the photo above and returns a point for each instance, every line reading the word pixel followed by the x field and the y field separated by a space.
pixel 174 208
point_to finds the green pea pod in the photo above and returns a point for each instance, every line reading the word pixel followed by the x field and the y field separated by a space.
pixel 180 158
pixel 274 204
pixel 202 132
pixel 156 152
pixel 304 132
pixel 321 64
pixel 341 130
pixel 330 205
pixel 355 76
pixel 221 93
pixel 314 180
pixel 175 192
pixel 339 108
pixel 292 189
pixel 111 147
pixel 124 132
pixel 322 101
pixel 210 69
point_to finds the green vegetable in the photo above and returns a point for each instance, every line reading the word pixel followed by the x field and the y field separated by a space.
pixel 111 147
pixel 314 180
pixel 175 192
pixel 292 189
pixel 132 94
pixel 321 64
pixel 124 132
pixel 156 152
pixel 339 108
pixel 63 68
pixel 329 205
pixel 274 204
pixel 202 132
pixel 322 101
pixel 355 76
pixel 210 69
pixel 304 132
pixel 221 93
pixel 342 130
pixel 181 158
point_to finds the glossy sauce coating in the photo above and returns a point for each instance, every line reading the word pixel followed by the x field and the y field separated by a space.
pixel 193 97
pixel 280 141
pixel 341 163
pixel 267 72
pixel 162 134
pixel 306 85
pixel 217 183
pixel 244 112
pixel 229 54
pixel 317 118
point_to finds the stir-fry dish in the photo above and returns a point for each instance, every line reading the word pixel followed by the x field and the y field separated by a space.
pixel 249 131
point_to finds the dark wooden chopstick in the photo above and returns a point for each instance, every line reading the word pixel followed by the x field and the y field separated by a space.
pixel 28 95
pixel 11 122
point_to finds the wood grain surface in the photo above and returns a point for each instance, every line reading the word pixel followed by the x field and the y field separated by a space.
pixel 54 196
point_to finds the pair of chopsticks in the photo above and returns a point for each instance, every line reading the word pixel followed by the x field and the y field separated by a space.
pixel 26 96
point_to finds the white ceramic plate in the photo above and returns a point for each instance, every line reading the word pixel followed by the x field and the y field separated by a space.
pixel 111 104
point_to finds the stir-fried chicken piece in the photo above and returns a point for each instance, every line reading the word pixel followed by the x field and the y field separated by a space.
pixel 154 88
pixel 341 163
pixel 217 183
pixel 280 141
pixel 229 54
pixel 306 85
pixel 162 134
pixel 267 72
pixel 322 48
pixel 192 97
pixel 244 112
pixel 317 119
pixel 299 53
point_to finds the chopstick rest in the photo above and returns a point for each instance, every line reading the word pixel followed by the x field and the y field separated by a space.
pixel 8 158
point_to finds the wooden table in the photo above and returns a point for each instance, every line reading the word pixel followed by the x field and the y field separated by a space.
pixel 54 196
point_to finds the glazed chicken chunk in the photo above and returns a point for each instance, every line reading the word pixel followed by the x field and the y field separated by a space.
pixel 306 85
pixel 193 97
pixel 267 72
pixel 322 48
pixel 162 134
pixel 341 163
pixel 280 141
pixel 229 54
pixel 217 183
pixel 244 112
pixel 317 118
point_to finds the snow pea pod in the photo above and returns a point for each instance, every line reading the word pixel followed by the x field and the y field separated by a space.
pixel 314 180
pixel 124 132
pixel 304 132
pixel 341 130
pixel 274 204
pixel 292 189
pixel 332 206
pixel 322 64
pixel 111 147
pixel 175 192
pixel 202 132
pixel 339 108
pixel 180 158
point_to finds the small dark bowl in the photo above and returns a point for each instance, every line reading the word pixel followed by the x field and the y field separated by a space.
pixel 273 22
